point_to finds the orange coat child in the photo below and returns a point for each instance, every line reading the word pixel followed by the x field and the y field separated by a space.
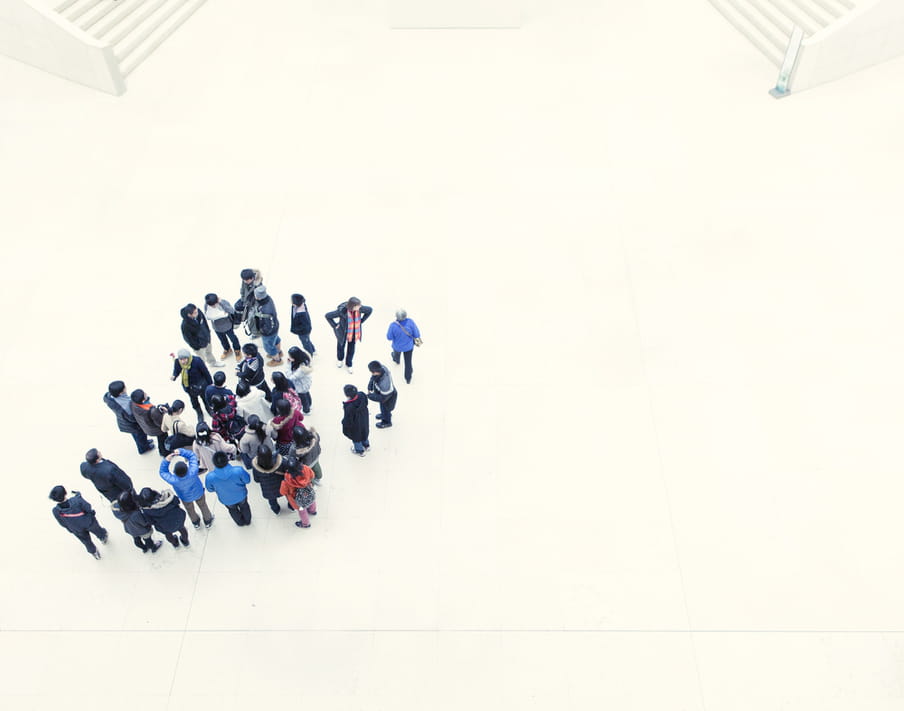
pixel 297 488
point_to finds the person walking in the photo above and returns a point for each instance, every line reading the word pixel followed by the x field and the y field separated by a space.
pixel 196 333
pixel 356 419
pixel 346 322
pixel 296 487
pixel 251 279
pixel 301 323
pixel 299 374
pixel 149 417
pixel 135 524
pixel 380 389
pixel 307 450
pixel 285 420
pixel 267 468
pixel 251 369
pixel 219 314
pixel 257 436
pixel 117 399
pixel 162 510
pixel 405 335
pixel 194 378
pixel 229 482
pixel 179 469
pixel 208 443
pixel 108 479
pixel 268 325
pixel 76 516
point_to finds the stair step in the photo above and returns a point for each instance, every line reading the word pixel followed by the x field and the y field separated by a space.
pixel 131 21
pixel 152 36
pixel 730 10
pixel 80 8
pixel 122 13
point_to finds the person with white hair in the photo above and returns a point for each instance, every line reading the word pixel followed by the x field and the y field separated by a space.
pixel 405 335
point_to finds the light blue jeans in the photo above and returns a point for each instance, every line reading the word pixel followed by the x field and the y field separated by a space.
pixel 271 344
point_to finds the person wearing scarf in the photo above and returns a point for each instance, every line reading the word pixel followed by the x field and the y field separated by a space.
pixel 194 377
pixel 346 322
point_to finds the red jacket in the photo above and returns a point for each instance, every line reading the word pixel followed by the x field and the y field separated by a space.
pixel 292 482
pixel 285 425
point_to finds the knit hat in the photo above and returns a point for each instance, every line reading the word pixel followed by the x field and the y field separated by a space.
pixel 183 353
pixel 260 292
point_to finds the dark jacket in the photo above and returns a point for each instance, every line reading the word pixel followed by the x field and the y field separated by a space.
pixel 149 418
pixel 198 375
pixel 107 478
pixel 301 320
pixel 166 515
pixel 356 420
pixel 251 370
pixel 269 479
pixel 195 331
pixel 124 419
pixel 212 390
pixel 74 514
pixel 338 319
pixel 267 323
pixel 381 389
pixel 310 454
pixel 134 522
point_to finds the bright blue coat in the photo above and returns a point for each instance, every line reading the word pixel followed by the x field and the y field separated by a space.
pixel 188 487
pixel 229 483
pixel 401 341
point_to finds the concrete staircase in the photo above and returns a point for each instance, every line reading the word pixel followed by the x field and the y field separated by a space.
pixel 768 23
pixel 133 28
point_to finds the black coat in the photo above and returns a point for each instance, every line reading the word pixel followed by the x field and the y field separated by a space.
pixel 74 514
pixel 301 323
pixel 133 521
pixel 198 375
pixel 149 420
pixel 251 370
pixel 166 515
pixel 269 480
pixel 356 419
pixel 338 320
pixel 108 479
pixel 195 331
pixel 124 419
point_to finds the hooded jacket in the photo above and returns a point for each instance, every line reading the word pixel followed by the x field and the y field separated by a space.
pixel 74 514
pixel 300 377
pixel 229 484
pixel 134 522
pixel 293 482
pixel 166 515
pixel 338 319
pixel 250 444
pixel 283 426
pixel 269 478
pixel 195 331
pixel 205 452
pixel 122 408
pixel 254 403
pixel 107 478
pixel 310 454
pixel 267 322
pixel 188 487
pixel 251 370
pixel 356 420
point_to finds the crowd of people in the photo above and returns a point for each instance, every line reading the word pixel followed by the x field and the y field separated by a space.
pixel 256 431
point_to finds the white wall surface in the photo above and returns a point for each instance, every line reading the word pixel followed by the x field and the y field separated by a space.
pixel 650 457
pixel 36 35
pixel 873 32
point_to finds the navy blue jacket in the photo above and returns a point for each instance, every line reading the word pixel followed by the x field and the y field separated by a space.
pixel 356 421
pixel 195 331
pixel 124 419
pixel 107 478
pixel 267 322
pixel 301 321
pixel 133 521
pixel 74 514
pixel 340 328
pixel 165 514
pixel 198 375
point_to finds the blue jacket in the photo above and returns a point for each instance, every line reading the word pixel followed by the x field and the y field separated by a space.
pixel 229 483
pixel 188 487
pixel 401 341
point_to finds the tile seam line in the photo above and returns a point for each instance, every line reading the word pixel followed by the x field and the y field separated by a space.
pixel 659 459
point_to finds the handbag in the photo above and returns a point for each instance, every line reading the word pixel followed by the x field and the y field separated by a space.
pixel 417 341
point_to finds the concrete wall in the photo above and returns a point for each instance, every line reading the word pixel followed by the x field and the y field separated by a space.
pixel 873 32
pixel 37 35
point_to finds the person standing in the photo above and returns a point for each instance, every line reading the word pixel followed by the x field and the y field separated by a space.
pixel 296 487
pixel 283 389
pixel 218 387
pixel 251 279
pixel 299 374
pixel 229 483
pixel 180 470
pixel 162 510
pixel 250 401
pixel 194 378
pixel 117 399
pixel 76 516
pixel 196 333
pixel 225 421
pixel 380 389
pixel 251 370
pixel 404 334
pixel 356 419
pixel 301 323
pixel 219 314
pixel 346 322
pixel 256 437
pixel 149 417
pixel 207 444
pixel 178 432
pixel 108 479
pixel 267 472
pixel 282 424
pixel 135 524
pixel 307 450
pixel 268 325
